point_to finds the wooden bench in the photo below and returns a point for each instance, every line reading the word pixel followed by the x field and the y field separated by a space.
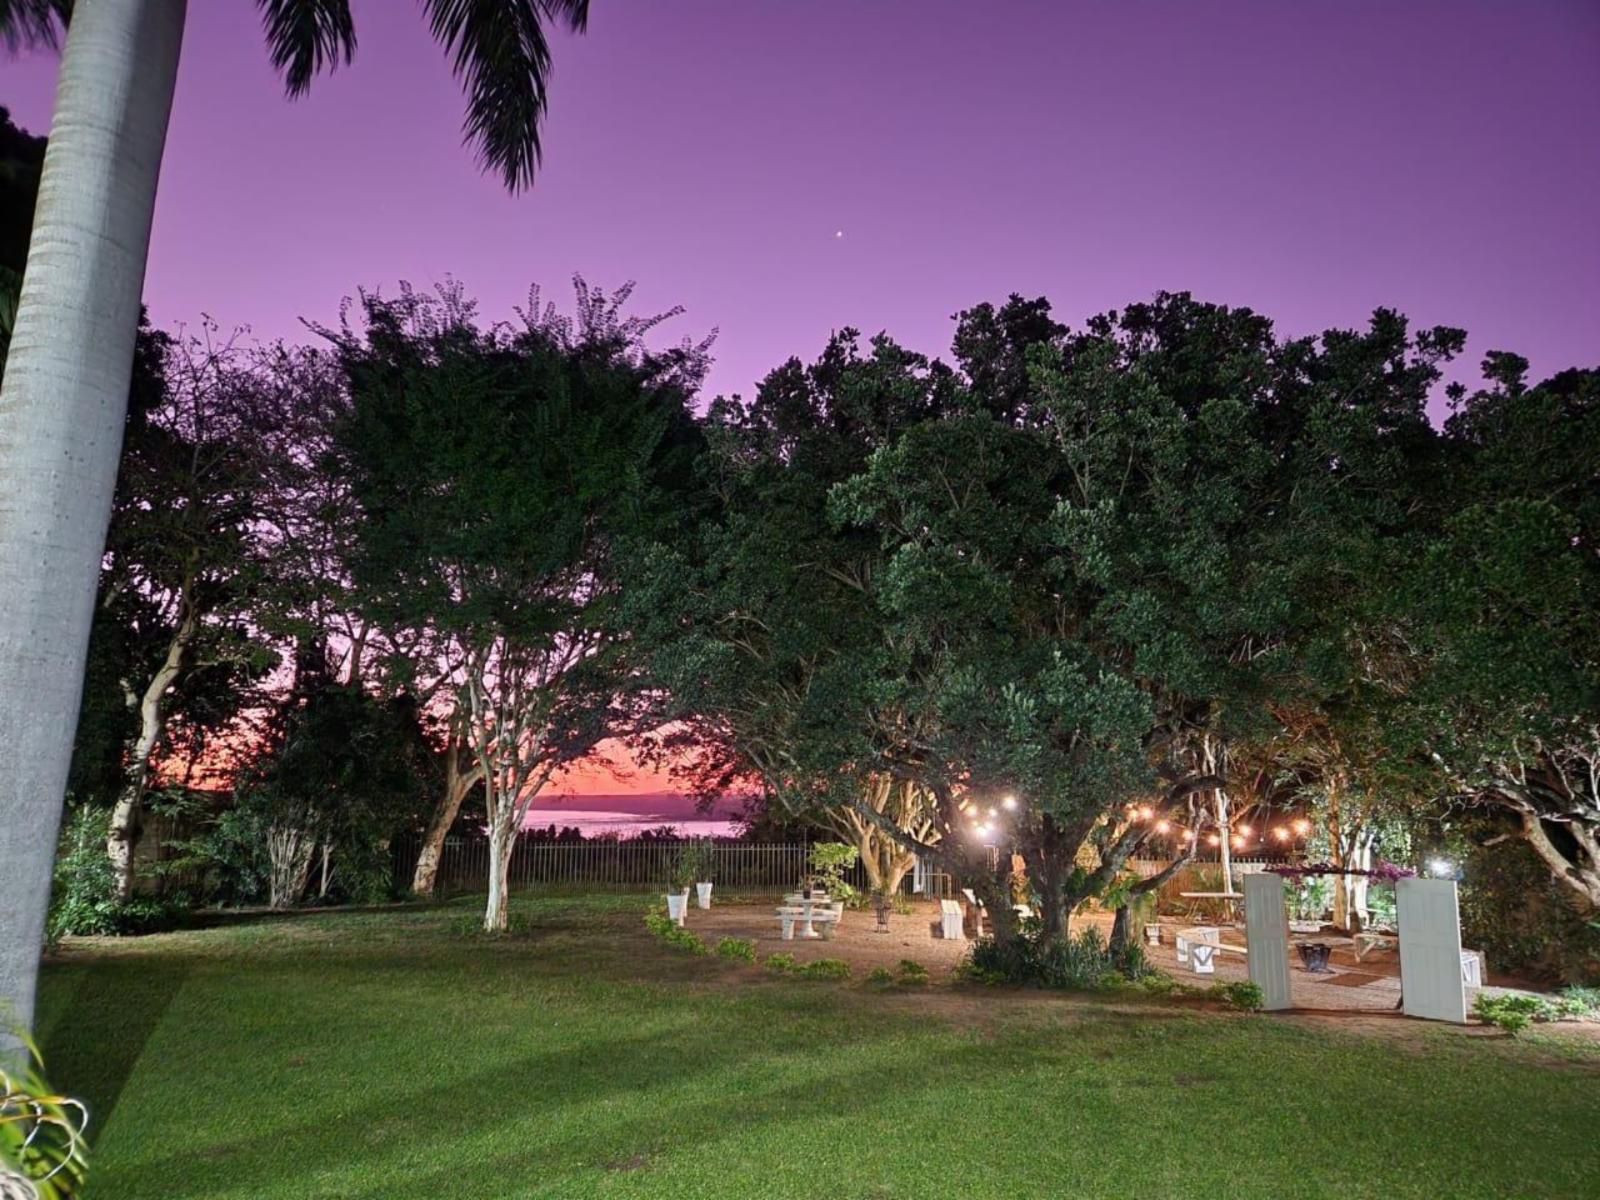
pixel 1198 946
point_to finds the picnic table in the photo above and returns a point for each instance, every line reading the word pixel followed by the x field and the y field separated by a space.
pixel 808 906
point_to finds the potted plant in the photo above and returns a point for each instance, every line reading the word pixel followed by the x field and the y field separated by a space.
pixel 679 877
pixel 701 861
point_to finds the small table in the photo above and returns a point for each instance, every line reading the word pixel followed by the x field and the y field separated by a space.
pixel 808 905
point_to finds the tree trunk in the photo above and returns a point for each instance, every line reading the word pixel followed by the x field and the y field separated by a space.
pixel 1345 914
pixel 1048 867
pixel 62 407
pixel 502 838
pixel 1119 928
pixel 122 837
pixel 1225 830
pixel 457 785
pixel 1579 872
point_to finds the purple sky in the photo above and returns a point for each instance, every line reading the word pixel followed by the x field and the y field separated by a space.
pixel 1310 160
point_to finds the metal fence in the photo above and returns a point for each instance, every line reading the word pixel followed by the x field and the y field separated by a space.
pixel 631 866
pixel 644 865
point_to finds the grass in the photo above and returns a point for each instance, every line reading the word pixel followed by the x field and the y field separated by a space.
pixel 385 1056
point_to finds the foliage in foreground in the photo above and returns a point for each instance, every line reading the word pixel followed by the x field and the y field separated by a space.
pixel 42 1149
pixel 710 1091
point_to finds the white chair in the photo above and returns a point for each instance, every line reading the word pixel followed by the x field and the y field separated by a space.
pixel 1195 933
pixel 1202 957
pixel 950 921
pixel 1471 969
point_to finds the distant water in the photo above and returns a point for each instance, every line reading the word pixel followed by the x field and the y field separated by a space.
pixel 590 822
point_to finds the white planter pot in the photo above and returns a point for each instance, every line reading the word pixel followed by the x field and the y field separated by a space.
pixel 702 894
pixel 678 905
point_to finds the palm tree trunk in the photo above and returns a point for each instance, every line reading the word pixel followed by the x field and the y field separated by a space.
pixel 62 407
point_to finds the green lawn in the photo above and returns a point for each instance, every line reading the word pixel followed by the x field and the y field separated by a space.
pixel 381 1056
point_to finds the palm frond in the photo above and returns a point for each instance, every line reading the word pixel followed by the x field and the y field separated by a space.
pixel 307 36
pixel 502 56
pixel 27 23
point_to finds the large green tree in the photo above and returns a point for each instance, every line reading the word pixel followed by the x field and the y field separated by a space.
pixel 760 640
pixel 63 396
pixel 500 472
pixel 1496 697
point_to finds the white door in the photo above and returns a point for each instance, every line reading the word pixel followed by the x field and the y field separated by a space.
pixel 1430 950
pixel 1266 934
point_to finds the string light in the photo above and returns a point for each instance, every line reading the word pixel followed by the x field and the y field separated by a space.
pixel 1009 803
pixel 1302 826
pixel 1238 842
pixel 1281 834
pixel 1146 812
pixel 1163 826
pixel 1245 830
pixel 1188 835
pixel 1214 840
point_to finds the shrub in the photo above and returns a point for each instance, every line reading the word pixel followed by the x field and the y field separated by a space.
pixel 1514 1012
pixel 880 977
pixel 669 931
pixel 81 898
pixel 1078 963
pixel 912 973
pixel 968 971
pixel 1158 983
pixel 1585 999
pixel 742 949
pixel 1243 995
pixel 782 964
pixel 825 968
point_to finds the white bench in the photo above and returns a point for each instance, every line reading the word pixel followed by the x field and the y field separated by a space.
pixel 950 921
pixel 1199 945
pixel 823 917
